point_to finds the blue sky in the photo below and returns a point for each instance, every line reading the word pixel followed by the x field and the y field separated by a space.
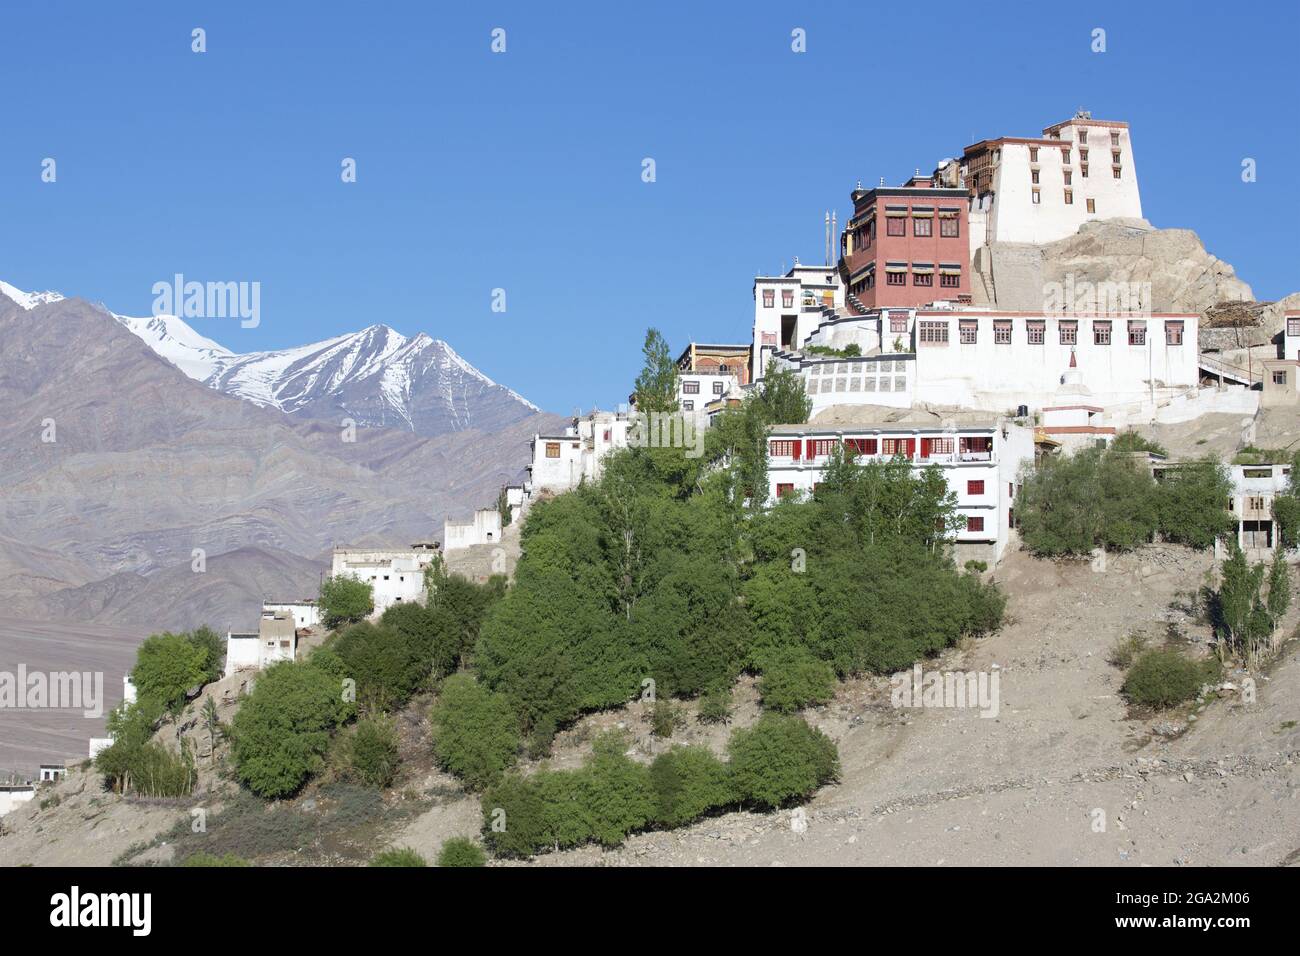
pixel 522 170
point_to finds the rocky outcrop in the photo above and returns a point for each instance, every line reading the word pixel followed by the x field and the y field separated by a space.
pixel 1170 268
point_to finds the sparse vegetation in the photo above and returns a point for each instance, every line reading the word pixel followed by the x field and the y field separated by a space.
pixel 371 748
pixel 715 706
pixel 666 719
pixel 405 857
pixel 1126 650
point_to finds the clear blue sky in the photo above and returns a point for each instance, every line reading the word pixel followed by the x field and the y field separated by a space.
pixel 522 170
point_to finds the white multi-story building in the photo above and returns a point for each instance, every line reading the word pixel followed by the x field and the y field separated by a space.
pixel 963 357
pixel 981 462
pixel 396 576
pixel 1043 189
pixel 788 308
pixel 562 462
pixel 1253 489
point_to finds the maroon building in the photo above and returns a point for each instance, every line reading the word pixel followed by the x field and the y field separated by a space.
pixel 907 246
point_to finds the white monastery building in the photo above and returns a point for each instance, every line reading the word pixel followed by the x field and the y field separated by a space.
pixel 561 462
pixel 395 576
pixel 1042 189
pixel 483 528
pixel 275 639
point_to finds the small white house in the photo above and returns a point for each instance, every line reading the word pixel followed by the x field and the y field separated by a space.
pixel 276 639
pixel 305 613
pixel 483 528
pixel 53 772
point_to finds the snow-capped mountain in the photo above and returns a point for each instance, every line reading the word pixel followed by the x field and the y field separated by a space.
pixel 375 377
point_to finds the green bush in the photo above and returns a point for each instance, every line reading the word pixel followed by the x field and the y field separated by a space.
pixel 282 730
pixel 459 851
pixel 1071 504
pixel 615 791
pixel 1192 504
pixel 715 706
pixel 345 600
pixel 135 763
pixel 688 782
pixel 1163 678
pixel 475 731
pixel 781 760
pixel 793 679
pixel 387 665
pixel 515 820
pixel 404 857
pixel 372 752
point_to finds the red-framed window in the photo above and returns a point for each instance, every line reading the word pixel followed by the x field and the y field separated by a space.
pixel 974 524
pixel 1036 330
pixel 975 487
pixel 949 226
pixel 1101 333
pixel 1137 332
pixel 895 278
pixel 897 226
pixel 948 281
pixel 1069 332
pixel 898 446
pixel 898 321
pixel 968 330
pixel 787 298
pixel 936 332
pixel 784 488
pixel 936 446
pixel 769 298
pixel 863 446
pixel 923 278
pixel 1173 333
pixel 820 447
pixel 977 443
pixel 922 226
pixel 1002 332
pixel 784 448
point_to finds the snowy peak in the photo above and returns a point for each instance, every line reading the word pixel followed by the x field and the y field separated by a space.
pixel 375 377
pixel 28 300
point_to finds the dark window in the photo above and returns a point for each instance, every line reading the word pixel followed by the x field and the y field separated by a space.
pixel 897 226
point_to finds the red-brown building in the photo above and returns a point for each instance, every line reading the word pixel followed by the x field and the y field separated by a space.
pixel 907 246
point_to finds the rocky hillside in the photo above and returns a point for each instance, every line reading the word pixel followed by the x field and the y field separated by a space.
pixel 113 461
pixel 1183 276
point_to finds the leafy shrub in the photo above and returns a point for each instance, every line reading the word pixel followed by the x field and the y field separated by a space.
pixel 781 759
pixel 515 820
pixel 615 791
pixel 1191 504
pixel 404 857
pixel 715 706
pixel 282 730
pixel 459 851
pixel 372 752
pixel 135 763
pixel 345 600
pixel 475 731
pixel 1131 441
pixel 1163 678
pixel 1071 504
pixel 665 719
pixel 793 678
pixel 688 782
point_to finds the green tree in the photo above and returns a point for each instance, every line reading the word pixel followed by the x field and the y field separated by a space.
pixel 1279 593
pixel 475 732
pixel 214 647
pixel 344 600
pixel 1236 600
pixel 655 389
pixel 282 729
pixel 167 666
pixel 1192 504
pixel 782 398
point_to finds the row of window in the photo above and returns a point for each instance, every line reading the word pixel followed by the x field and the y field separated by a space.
pixel 922 227
pixel 978 446
pixel 974 523
pixel 936 332
pixel 947 280
pixel 1293 327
